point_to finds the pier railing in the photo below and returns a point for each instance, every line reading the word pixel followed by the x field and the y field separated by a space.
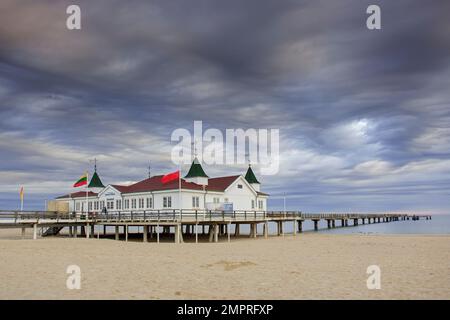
pixel 183 215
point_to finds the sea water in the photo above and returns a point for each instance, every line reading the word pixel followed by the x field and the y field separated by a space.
pixel 439 224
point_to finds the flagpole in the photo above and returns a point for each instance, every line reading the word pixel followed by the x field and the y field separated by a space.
pixel 179 186
pixel 21 198
pixel 87 195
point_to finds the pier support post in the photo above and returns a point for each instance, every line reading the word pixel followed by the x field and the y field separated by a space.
pixel 117 232
pixel 294 227
pixel 145 234
pixel 75 231
pixel 346 222
pixel 86 231
pixel 300 226
pixel 23 232
pixel 255 230
pixel 266 229
pixel 355 222
pixel 104 230
pixel 126 232
pixel 92 230
pixel 178 230
pixel 328 223
pixel 216 233
pixel 333 223
pixel 228 231
pixel 211 233
pixel 237 230
pixel 34 231
pixel 342 223
pixel 70 232
pixel 316 225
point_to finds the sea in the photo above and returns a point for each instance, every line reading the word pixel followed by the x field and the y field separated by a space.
pixel 439 224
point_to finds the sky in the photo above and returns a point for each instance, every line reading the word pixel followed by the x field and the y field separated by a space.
pixel 364 115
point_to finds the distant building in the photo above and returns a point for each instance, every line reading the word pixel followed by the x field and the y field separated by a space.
pixel 198 192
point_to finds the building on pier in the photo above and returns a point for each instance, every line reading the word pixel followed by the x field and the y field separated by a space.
pixel 198 192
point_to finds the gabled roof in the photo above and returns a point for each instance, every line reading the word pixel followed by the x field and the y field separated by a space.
pixel 119 188
pixel 95 181
pixel 196 170
pixel 154 184
pixel 78 194
pixel 250 176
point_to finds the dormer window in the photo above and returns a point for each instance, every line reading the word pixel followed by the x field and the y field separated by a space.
pixel 239 186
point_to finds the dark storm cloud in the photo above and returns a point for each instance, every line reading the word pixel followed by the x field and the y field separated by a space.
pixel 356 108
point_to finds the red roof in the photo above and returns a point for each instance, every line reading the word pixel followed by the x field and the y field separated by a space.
pixel 79 194
pixel 155 184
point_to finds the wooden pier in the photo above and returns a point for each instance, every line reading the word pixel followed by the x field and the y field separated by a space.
pixel 187 223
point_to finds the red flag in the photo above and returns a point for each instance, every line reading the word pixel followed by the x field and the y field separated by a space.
pixel 170 177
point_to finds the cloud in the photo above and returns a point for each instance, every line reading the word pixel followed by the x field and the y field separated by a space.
pixel 360 112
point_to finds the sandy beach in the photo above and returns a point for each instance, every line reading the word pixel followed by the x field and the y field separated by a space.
pixel 307 266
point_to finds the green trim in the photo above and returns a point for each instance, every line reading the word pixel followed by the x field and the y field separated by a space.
pixel 96 182
pixel 196 170
pixel 250 176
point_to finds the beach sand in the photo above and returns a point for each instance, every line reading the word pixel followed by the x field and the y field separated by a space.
pixel 307 266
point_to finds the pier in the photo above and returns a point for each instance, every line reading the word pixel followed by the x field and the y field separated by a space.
pixel 213 225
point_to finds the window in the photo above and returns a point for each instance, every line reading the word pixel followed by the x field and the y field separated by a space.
pixel 77 206
pixel 110 204
pixel 133 203
pixel 167 202
pixel 118 204
pixel 90 206
pixel 195 202
pixel 149 202
pixel 141 203
pixel 253 204
pixel 102 205
pixel 216 200
pixel 96 205
pixel 127 203
pixel 260 204
pixel 239 186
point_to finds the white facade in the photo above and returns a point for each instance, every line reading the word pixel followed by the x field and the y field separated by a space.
pixel 238 196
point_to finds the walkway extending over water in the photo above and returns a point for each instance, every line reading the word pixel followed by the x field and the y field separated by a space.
pixel 155 223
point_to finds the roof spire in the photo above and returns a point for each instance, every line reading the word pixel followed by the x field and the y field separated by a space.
pixel 96 182
pixel 250 176
pixel 149 170
pixel 196 170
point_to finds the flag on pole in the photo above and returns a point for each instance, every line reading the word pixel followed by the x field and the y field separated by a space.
pixel 21 192
pixel 82 181
pixel 170 177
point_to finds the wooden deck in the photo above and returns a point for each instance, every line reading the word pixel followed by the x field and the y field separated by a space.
pixel 178 224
